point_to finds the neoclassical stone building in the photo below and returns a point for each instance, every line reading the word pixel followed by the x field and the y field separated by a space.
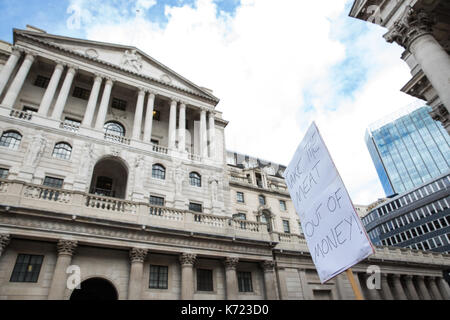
pixel 113 169
pixel 422 27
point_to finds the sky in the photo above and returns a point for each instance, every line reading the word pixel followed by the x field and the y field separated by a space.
pixel 276 66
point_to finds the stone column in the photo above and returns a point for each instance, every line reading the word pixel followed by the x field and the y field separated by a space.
pixel 182 128
pixel 187 261
pixel 137 257
pixel 423 288
pixel 212 136
pixel 92 103
pixel 64 93
pixel 434 289
pixel 101 115
pixel 51 89
pixel 399 292
pixel 444 288
pixel 413 31
pixel 4 241
pixel 372 294
pixel 203 135
pixel 411 289
pixel 172 124
pixel 269 279
pixel 66 249
pixel 137 124
pixel 281 273
pixel 231 278
pixel 19 80
pixel 8 69
pixel 386 291
pixel 149 118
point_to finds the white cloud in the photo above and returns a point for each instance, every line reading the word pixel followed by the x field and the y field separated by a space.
pixel 260 60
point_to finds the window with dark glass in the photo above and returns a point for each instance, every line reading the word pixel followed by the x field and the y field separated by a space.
pixel 283 205
pixel 11 139
pixel 159 277
pixel 262 200
pixel 196 207
pixel 4 173
pixel 157 201
pixel 42 81
pixel 29 109
pixel 62 150
pixel 158 172
pixel 104 186
pixel 195 179
pixel 259 180
pixel 241 216
pixel 114 128
pixel 204 280
pixel 286 227
pixel 240 197
pixel 245 281
pixel 157 115
pixel 119 104
pixel 53 182
pixel 155 142
pixel 27 268
pixel 81 93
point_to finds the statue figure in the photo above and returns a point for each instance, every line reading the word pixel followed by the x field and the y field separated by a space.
pixel 132 59
pixel 35 151
pixel 86 158
pixel 178 179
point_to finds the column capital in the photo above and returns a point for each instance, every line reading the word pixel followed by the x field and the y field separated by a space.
pixel 183 103
pixel 30 55
pixel 396 276
pixel 110 80
pixel 60 64
pixel 411 25
pixel 174 99
pixel 16 51
pixel 408 277
pixel 187 259
pixel 268 265
pixel 66 247
pixel 142 90
pixel 98 76
pixel 231 263
pixel 138 254
pixel 152 92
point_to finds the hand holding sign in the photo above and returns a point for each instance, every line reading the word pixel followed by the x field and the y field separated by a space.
pixel 334 233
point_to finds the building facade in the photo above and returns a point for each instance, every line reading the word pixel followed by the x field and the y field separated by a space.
pixel 114 171
pixel 418 219
pixel 408 149
pixel 422 27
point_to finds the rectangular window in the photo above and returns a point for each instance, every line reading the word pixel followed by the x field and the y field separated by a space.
pixel 240 197
pixel 240 216
pixel 119 104
pixel 157 201
pixel 286 227
pixel 30 109
pixel 155 142
pixel 283 205
pixel 196 207
pixel 81 93
pixel 245 281
pixel 53 182
pixel 204 280
pixel 156 115
pixel 41 82
pixel 159 277
pixel 27 268
pixel 4 173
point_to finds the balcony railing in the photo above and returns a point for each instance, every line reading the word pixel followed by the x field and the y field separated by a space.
pixel 70 126
pixel 22 194
pixel 194 157
pixel 25 115
pixel 159 149
pixel 116 138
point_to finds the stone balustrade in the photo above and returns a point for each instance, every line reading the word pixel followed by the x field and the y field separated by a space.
pixel 116 138
pixel 194 157
pixel 24 115
pixel 159 149
pixel 111 204
pixel 69 126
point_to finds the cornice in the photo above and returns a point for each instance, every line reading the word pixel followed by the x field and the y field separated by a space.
pixel 116 68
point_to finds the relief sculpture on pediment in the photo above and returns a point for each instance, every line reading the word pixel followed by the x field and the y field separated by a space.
pixel 132 59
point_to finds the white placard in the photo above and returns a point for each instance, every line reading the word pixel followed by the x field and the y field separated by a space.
pixel 334 233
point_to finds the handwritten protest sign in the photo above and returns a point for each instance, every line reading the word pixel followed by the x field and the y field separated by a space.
pixel 334 233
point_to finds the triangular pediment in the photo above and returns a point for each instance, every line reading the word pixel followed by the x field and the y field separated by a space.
pixel 120 56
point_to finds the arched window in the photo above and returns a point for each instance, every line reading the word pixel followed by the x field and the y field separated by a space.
pixel 114 128
pixel 11 139
pixel 195 179
pixel 158 172
pixel 262 200
pixel 62 150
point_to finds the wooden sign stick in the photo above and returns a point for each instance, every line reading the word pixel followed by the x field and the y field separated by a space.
pixel 355 288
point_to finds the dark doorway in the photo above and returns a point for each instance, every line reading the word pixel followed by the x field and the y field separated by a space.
pixel 95 289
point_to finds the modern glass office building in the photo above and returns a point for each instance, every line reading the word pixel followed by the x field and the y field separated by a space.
pixel 408 149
